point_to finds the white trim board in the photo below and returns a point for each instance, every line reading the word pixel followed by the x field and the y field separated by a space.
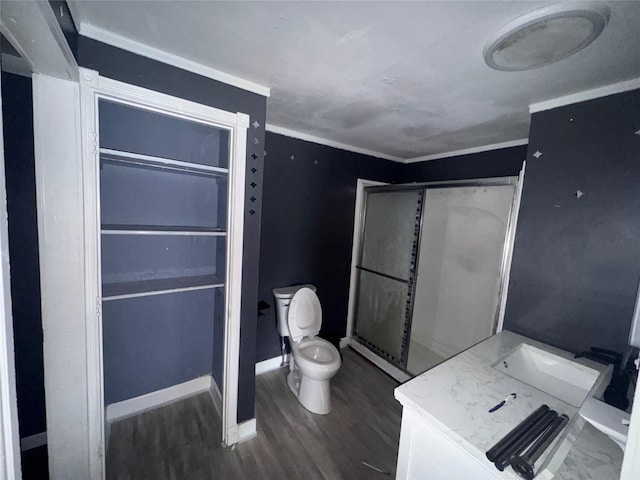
pixel 115 40
pixel 247 430
pixel 585 95
pixel 509 243
pixel 216 396
pixel 287 132
pixel 33 441
pixel 63 272
pixel 269 365
pixel 15 65
pixel 9 429
pixel 33 30
pixel 386 367
pixel 149 401
pixel 467 151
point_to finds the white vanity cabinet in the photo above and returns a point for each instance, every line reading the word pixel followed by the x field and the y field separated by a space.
pixel 447 426
pixel 425 453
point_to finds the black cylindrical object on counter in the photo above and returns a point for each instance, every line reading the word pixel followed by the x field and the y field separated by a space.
pixel 524 464
pixel 496 451
pixel 525 440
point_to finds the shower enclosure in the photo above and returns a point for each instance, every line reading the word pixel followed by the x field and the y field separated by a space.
pixel 431 264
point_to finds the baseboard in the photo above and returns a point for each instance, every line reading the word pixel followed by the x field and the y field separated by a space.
pixel 344 342
pixel 149 401
pixel 268 365
pixel 247 430
pixel 33 441
pixel 383 365
pixel 216 396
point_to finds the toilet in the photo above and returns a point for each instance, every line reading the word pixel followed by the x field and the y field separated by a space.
pixel 314 361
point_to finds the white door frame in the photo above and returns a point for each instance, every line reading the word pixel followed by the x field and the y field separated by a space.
pixel 92 88
pixel 507 255
pixel 9 431
pixel 358 225
pixel 32 29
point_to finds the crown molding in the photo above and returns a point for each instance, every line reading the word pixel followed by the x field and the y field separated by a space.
pixel 115 40
pixel 329 143
pixel 585 95
pixel 287 132
pixel 467 151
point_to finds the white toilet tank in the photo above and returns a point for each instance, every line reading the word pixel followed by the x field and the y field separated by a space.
pixel 283 297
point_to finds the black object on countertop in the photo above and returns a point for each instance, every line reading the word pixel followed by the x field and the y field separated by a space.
pixel 616 393
pixel 499 448
pixel 518 446
pixel 524 464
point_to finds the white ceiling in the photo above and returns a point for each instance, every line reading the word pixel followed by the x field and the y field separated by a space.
pixel 405 79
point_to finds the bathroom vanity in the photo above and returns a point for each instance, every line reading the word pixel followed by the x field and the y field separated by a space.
pixel 447 427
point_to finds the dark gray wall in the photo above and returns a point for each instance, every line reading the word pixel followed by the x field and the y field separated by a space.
pixel 307 227
pixel 17 111
pixel 307 222
pixel 155 342
pixel 576 261
pixel 128 67
pixel 149 133
pixel 494 163
pixel 182 348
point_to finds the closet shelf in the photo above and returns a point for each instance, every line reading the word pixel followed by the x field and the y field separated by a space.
pixel 118 229
pixel 144 288
pixel 163 163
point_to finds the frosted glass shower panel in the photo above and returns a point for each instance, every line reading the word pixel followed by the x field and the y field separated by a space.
pixel 381 313
pixel 461 253
pixel 390 228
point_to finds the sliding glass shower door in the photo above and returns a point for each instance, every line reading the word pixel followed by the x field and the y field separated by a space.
pixel 431 268
pixel 386 271
pixel 459 277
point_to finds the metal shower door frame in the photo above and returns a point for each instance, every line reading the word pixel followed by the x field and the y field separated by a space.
pixel 504 263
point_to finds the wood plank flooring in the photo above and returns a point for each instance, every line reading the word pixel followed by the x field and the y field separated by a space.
pixel 182 440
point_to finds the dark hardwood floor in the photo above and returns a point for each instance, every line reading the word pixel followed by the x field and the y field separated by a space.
pixel 182 440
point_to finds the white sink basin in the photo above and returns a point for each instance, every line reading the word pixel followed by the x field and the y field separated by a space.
pixel 564 379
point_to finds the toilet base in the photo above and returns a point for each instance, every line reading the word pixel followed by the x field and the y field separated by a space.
pixel 314 395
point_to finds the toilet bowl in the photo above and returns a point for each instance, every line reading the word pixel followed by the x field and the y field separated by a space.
pixel 314 361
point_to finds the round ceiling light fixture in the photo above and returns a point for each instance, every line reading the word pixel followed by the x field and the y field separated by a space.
pixel 545 36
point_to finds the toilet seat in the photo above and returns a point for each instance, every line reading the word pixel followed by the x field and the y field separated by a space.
pixel 316 356
pixel 305 315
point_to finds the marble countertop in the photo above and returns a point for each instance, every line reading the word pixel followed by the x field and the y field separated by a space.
pixel 593 456
pixel 455 396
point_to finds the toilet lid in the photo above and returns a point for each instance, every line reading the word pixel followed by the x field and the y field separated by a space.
pixel 305 315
